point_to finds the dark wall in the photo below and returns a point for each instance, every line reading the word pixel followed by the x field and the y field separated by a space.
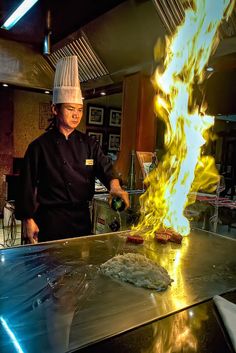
pixel 6 139
pixel 221 93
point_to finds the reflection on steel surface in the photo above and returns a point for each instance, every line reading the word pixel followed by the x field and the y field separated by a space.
pixel 54 296
pixel 178 333
pixel 11 335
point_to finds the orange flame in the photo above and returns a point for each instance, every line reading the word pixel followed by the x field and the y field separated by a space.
pixel 183 170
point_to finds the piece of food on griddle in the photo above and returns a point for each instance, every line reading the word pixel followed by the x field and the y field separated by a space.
pixel 162 237
pixel 136 239
pixel 138 270
pixel 176 238
pixel 165 235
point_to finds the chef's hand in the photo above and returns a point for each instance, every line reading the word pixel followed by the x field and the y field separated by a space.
pixel 116 190
pixel 31 230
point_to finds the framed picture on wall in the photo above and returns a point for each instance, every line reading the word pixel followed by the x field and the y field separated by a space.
pixel 95 115
pixel 98 136
pixel 115 117
pixel 114 142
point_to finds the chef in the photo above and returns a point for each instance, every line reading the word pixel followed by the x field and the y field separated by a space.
pixel 57 179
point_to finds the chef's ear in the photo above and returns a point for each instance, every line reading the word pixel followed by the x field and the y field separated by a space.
pixel 54 109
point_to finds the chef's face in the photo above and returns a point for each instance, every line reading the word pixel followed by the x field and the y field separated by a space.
pixel 68 115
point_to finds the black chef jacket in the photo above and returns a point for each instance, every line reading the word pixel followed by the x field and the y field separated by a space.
pixel 58 179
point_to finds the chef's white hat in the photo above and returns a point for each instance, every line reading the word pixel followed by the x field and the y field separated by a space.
pixel 66 88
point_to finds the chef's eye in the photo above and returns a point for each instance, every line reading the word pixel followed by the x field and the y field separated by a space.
pixel 73 110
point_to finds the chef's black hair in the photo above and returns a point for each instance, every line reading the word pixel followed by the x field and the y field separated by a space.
pixel 53 120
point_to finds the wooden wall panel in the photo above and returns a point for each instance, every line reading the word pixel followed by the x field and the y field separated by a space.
pixel 130 113
pixel 138 130
pixel 147 122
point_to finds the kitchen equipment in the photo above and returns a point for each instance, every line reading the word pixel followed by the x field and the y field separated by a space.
pixel 57 289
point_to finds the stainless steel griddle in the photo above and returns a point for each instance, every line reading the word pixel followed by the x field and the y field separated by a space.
pixel 52 295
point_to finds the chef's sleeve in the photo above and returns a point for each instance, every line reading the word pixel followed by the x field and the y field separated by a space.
pixel 26 195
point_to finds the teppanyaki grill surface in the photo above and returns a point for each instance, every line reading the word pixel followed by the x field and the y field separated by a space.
pixel 53 296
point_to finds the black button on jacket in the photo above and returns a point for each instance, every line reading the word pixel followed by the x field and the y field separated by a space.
pixel 59 171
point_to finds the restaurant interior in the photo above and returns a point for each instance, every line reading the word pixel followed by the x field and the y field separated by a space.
pixel 117 43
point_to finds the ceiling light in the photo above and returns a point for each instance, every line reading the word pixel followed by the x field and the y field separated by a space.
pixel 47 92
pixel 210 69
pixel 5 85
pixel 18 13
pixel 47 44
pixel 103 93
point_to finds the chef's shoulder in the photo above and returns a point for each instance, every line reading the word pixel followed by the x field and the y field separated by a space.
pixel 51 137
pixel 44 139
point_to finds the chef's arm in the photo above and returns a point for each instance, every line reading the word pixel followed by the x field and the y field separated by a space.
pixel 31 230
pixel 116 190
pixel 25 203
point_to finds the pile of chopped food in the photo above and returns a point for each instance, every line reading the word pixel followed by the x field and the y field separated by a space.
pixel 138 270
